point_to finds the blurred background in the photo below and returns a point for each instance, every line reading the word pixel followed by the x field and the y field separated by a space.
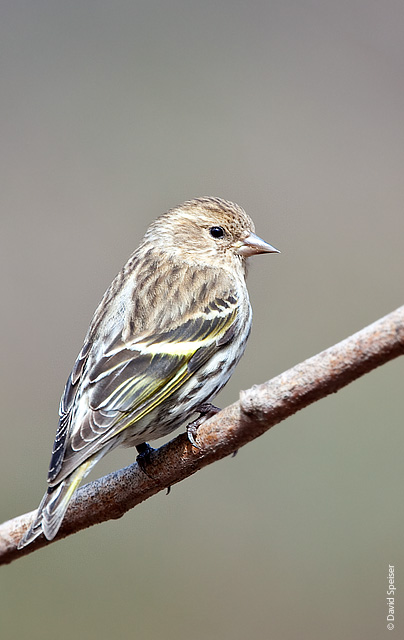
pixel 111 113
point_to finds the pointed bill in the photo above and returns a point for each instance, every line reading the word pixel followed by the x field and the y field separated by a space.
pixel 253 245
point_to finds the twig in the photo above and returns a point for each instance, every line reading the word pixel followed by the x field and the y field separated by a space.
pixel 258 409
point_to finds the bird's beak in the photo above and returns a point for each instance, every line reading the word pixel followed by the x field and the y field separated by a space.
pixel 252 245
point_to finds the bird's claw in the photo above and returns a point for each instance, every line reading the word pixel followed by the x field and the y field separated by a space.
pixel 206 411
pixel 192 429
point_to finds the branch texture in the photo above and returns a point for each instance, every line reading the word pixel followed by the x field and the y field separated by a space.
pixel 258 409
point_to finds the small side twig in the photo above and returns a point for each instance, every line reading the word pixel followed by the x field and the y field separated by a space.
pixel 258 409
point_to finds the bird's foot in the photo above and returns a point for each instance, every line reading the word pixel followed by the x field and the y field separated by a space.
pixel 206 411
pixel 143 459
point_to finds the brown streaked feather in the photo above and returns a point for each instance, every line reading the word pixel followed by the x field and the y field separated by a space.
pixel 146 310
pixel 125 384
pixel 66 404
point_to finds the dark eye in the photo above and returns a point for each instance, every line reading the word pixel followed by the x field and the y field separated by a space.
pixel 216 232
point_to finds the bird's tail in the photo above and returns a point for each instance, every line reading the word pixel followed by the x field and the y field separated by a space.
pixel 53 506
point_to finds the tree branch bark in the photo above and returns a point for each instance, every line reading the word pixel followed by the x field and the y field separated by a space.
pixel 258 409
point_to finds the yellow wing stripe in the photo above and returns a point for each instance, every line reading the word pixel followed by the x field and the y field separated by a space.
pixel 166 390
pixel 184 349
pixel 154 396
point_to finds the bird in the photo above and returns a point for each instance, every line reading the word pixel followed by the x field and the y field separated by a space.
pixel 164 340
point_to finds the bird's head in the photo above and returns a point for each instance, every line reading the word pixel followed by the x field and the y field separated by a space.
pixel 207 230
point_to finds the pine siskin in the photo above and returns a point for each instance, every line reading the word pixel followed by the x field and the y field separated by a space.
pixel 164 340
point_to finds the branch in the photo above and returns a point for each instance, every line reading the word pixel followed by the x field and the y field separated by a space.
pixel 258 409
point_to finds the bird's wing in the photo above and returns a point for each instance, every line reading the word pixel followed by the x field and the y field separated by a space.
pixel 132 378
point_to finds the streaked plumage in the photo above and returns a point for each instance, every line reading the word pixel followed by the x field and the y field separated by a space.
pixel 164 339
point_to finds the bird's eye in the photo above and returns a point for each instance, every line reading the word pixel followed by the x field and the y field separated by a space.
pixel 216 232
